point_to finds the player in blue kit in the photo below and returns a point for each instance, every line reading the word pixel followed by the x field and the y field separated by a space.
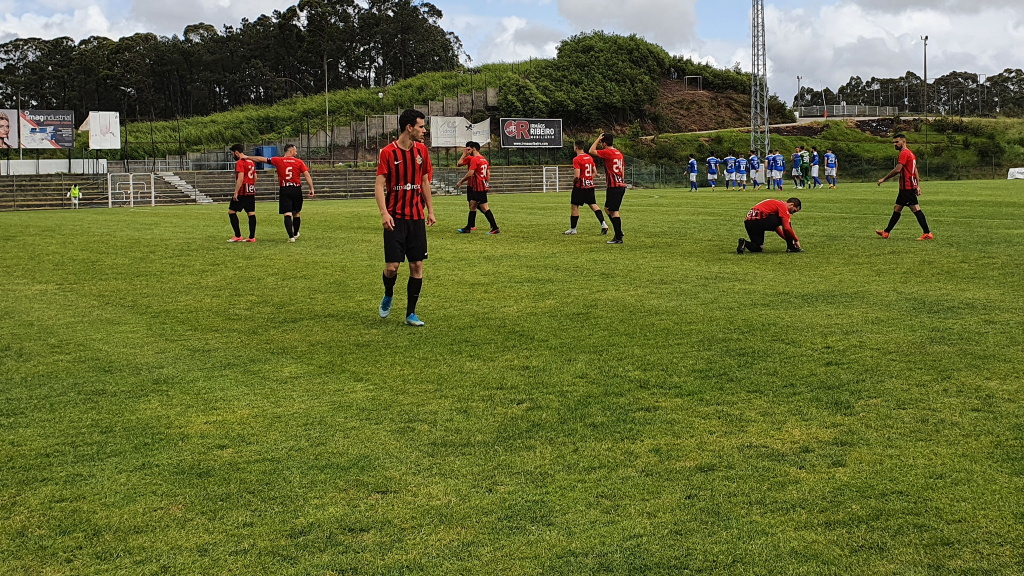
pixel 831 169
pixel 730 171
pixel 692 169
pixel 741 171
pixel 815 167
pixel 755 167
pixel 712 164
pixel 798 181
pixel 780 170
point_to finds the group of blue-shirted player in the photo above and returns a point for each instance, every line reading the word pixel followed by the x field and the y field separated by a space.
pixel 737 170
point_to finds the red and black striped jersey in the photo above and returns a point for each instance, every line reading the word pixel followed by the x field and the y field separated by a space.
pixel 404 171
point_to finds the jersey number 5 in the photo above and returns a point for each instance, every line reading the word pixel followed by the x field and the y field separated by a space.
pixel 288 172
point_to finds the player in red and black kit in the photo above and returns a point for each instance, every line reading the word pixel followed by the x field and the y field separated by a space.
pixel 770 215
pixel 910 189
pixel 289 199
pixel 615 174
pixel 402 190
pixel 479 178
pixel 583 188
pixel 244 198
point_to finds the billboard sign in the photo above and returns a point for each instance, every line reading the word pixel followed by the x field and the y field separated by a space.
pixel 531 133
pixel 104 130
pixel 8 129
pixel 47 129
pixel 455 131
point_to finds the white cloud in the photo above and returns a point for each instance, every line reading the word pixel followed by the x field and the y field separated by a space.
pixel 518 39
pixel 670 23
pixel 79 23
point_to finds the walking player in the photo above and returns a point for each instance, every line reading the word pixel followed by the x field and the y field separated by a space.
pixel 712 163
pixel 615 176
pixel 691 167
pixel 831 169
pixel 584 188
pixel 910 189
pixel 479 178
pixel 244 198
pixel 755 167
pixel 402 190
pixel 289 197
pixel 770 215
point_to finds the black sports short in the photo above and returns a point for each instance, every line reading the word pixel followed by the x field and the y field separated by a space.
pixel 613 200
pixel 584 196
pixel 474 196
pixel 243 204
pixel 407 241
pixel 289 199
pixel 907 198
pixel 756 228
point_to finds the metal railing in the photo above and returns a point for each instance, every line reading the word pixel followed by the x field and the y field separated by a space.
pixel 848 111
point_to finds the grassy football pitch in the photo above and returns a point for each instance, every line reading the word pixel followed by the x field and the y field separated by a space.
pixel 173 404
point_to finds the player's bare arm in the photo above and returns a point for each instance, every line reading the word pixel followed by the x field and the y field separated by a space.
pixel 260 159
pixel 309 180
pixel 895 172
pixel 239 179
pixel 428 200
pixel 596 145
pixel 378 192
pixel 465 178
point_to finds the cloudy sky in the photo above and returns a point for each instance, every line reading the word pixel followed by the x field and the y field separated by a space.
pixel 824 41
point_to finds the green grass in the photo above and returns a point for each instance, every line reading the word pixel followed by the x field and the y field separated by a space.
pixel 172 404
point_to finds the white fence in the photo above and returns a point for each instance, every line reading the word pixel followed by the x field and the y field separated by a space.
pixel 848 111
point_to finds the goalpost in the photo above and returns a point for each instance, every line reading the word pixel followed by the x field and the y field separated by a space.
pixel 125 193
pixel 551 179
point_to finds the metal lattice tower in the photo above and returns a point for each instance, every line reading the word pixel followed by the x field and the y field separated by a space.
pixel 759 135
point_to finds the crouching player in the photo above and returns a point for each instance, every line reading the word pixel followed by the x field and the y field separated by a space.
pixel 770 215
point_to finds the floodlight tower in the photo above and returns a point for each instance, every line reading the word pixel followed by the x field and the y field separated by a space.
pixel 759 133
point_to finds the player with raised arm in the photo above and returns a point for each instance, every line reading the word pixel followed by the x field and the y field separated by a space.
pixel 910 189
pixel 691 167
pixel 770 215
pixel 831 169
pixel 479 178
pixel 712 163
pixel 615 176
pixel 755 167
pixel 584 189
pixel 730 171
pixel 290 170
pixel 403 190
pixel 816 167
pixel 244 197
pixel 741 171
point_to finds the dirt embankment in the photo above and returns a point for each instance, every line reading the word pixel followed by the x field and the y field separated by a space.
pixel 682 110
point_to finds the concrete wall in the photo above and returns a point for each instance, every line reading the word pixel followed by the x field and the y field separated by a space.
pixel 28 167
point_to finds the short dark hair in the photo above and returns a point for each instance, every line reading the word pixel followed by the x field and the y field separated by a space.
pixel 815 148
pixel 288 147
pixel 409 118
pixel 900 137
pixel 581 144
pixel 609 140
pixel 473 145
pixel 794 201
pixel 238 148
pixel 692 157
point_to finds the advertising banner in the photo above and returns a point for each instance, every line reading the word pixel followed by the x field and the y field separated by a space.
pixel 104 130
pixel 47 129
pixel 1015 174
pixel 8 129
pixel 455 131
pixel 530 133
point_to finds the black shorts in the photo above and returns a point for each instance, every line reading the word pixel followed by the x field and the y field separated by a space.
pixel 584 196
pixel 756 228
pixel 289 199
pixel 907 198
pixel 474 196
pixel 243 204
pixel 613 200
pixel 407 241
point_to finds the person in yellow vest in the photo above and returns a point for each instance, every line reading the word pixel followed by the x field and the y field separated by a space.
pixel 74 194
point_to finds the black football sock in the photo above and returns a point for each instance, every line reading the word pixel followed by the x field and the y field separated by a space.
pixel 288 226
pixel 753 247
pixel 922 221
pixel 600 216
pixel 389 285
pixel 235 225
pixel 252 226
pixel 573 221
pixel 490 219
pixel 295 224
pixel 617 223
pixel 471 223
pixel 892 221
pixel 413 291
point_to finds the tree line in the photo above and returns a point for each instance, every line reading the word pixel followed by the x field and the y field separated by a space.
pixel 299 50
pixel 955 94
